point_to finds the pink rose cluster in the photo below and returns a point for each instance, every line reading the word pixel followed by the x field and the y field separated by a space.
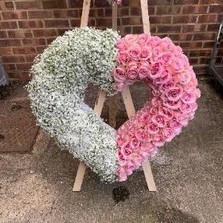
pixel 166 70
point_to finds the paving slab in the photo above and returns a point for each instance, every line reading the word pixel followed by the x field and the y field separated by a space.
pixel 36 187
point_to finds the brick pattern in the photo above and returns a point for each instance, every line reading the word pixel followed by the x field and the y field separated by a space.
pixel 28 26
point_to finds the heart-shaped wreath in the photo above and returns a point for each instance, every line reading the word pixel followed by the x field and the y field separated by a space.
pixel 62 72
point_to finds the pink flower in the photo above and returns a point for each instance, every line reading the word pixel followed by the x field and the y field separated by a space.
pixel 167 58
pixel 166 112
pixel 126 150
pixel 156 53
pixel 143 39
pixel 122 175
pixel 129 167
pixel 174 93
pixel 119 74
pixel 154 41
pixel 158 140
pixel 178 50
pixel 146 53
pixel 120 86
pixel 135 143
pixel 168 134
pixel 152 128
pixel 123 57
pixel 120 44
pixel 177 64
pixel 172 104
pixel 134 51
pixel 158 120
pixel 198 93
pixel 156 71
pixel 189 97
pixel 175 126
pixel 141 135
pixel 184 77
pixel 132 70
pixel 164 87
pixel 145 117
pixel 183 119
pixel 130 39
pixel 143 70
pixel 154 110
pixel 163 78
pixel 121 158
pixel 167 43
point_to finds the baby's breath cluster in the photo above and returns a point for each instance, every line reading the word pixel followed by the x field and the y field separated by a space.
pixel 60 76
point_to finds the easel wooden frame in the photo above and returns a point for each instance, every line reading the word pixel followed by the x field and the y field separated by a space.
pixel 126 95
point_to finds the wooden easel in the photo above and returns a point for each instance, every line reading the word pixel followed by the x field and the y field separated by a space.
pixel 126 95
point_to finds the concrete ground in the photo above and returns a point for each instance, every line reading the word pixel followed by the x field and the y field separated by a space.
pixel 36 187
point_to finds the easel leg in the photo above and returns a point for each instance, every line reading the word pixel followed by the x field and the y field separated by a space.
pixel 79 177
pixel 82 167
pixel 112 111
pixel 149 176
pixel 130 109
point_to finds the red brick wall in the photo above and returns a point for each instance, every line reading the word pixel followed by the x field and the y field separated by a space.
pixel 28 26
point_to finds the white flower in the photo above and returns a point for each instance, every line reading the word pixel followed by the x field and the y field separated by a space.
pixel 60 77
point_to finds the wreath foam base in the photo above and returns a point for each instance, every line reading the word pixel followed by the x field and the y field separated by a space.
pixel 86 55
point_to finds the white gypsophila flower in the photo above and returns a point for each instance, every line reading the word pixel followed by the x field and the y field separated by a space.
pixel 60 76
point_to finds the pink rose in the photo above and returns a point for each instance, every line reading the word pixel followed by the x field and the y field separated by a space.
pixel 178 50
pixel 126 150
pixel 164 77
pixel 131 38
pixel 145 117
pixel 172 104
pixel 143 39
pixel 168 134
pixel 189 97
pixel 156 53
pixel 184 77
pixel 135 143
pixel 154 110
pixel 158 140
pixel 146 53
pixel 132 70
pixel 174 93
pixel 164 87
pixel 134 51
pixel 185 108
pixel 119 74
pixel 123 57
pixel 120 44
pixel 122 175
pixel 167 58
pixel 156 71
pixel 121 158
pixel 141 135
pixel 120 86
pixel 143 70
pixel 129 167
pixel 183 119
pixel 159 120
pixel 177 64
pixel 167 113
pixel 175 126
pixel 167 43
pixel 198 93
pixel 152 128
pixel 154 41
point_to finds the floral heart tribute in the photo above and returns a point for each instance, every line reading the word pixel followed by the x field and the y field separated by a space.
pixel 62 72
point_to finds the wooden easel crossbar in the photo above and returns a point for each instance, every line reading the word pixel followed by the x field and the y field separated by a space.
pixel 126 95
